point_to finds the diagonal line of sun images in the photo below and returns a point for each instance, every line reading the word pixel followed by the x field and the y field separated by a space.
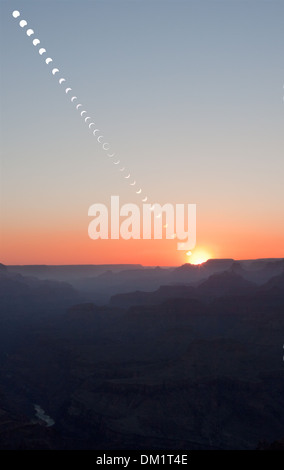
pixel 79 107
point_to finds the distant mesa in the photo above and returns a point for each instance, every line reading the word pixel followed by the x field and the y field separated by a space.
pixel 226 283
pixel 214 264
pixel 276 283
pixel 3 268
pixel 187 267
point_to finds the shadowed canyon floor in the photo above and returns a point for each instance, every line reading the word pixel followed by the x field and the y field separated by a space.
pixel 195 362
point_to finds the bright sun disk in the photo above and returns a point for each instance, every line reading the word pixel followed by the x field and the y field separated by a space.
pixel 198 256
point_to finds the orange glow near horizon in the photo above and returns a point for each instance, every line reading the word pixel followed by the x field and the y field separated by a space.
pixel 59 246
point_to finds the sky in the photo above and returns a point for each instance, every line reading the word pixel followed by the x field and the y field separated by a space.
pixel 189 96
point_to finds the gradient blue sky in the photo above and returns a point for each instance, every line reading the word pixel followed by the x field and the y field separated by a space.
pixel 188 93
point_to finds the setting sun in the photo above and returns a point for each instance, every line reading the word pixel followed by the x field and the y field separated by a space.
pixel 198 256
